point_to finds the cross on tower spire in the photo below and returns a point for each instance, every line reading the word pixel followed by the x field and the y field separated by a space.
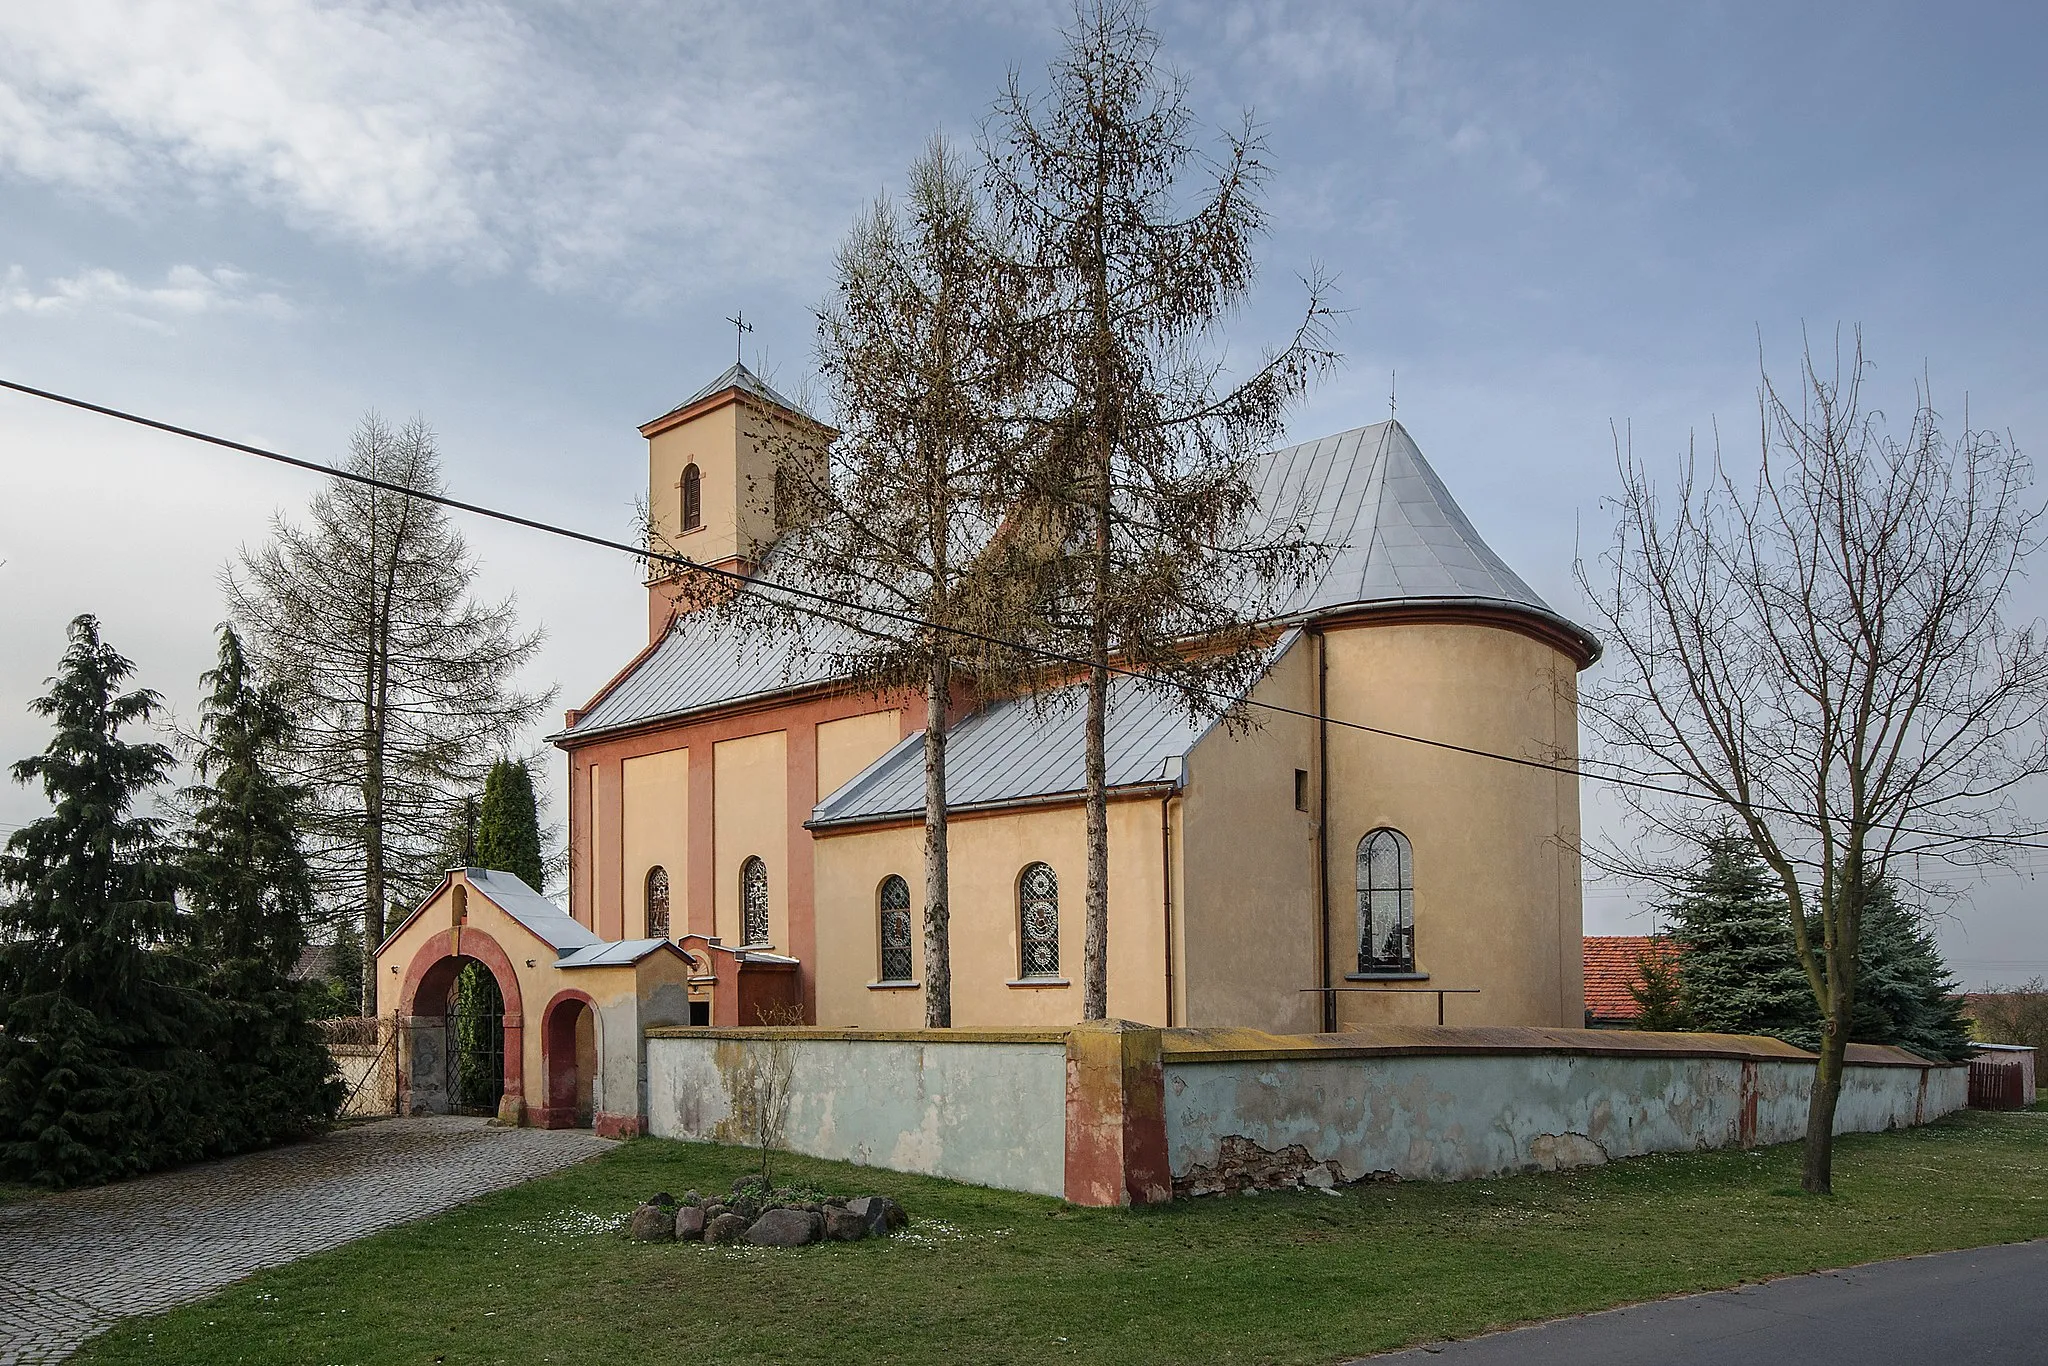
pixel 740 329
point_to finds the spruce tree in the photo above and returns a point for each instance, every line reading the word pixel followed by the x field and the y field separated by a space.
pixel 508 823
pixel 1657 990
pixel 99 1074
pixel 251 892
pixel 1904 993
pixel 1739 972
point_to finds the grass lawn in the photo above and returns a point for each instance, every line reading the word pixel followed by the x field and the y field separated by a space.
pixel 536 1274
pixel 10 1194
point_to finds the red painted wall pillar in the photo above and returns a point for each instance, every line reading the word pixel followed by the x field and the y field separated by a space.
pixel 1116 1115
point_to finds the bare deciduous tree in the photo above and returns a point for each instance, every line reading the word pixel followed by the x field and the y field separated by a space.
pixel 1139 248
pixel 914 354
pixel 402 681
pixel 1822 652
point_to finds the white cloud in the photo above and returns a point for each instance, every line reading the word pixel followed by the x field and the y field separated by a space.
pixel 562 141
pixel 186 291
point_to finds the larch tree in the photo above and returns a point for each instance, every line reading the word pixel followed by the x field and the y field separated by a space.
pixel 250 892
pixel 1819 652
pixel 403 681
pixel 1135 248
pixel 916 355
pixel 101 1073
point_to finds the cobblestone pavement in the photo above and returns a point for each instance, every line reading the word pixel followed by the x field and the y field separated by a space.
pixel 72 1265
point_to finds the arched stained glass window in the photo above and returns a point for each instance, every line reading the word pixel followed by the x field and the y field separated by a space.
pixel 657 902
pixel 754 901
pixel 895 909
pixel 693 498
pixel 1038 921
pixel 1386 903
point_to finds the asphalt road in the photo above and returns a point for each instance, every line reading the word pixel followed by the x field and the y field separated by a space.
pixel 1987 1305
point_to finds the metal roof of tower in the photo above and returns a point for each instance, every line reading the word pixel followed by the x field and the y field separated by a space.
pixel 737 376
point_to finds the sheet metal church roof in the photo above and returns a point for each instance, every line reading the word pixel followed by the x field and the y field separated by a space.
pixel 1023 748
pixel 1399 540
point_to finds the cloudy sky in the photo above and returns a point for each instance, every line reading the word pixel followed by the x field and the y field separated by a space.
pixel 526 222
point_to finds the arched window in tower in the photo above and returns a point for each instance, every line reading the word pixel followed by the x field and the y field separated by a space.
pixel 894 898
pixel 1386 903
pixel 657 902
pixel 754 901
pixel 1038 921
pixel 693 498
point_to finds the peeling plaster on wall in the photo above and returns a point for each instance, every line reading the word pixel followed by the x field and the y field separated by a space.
pixel 1458 1116
pixel 991 1113
pixel 1243 1165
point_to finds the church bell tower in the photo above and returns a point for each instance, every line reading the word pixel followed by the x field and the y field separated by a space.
pixel 712 463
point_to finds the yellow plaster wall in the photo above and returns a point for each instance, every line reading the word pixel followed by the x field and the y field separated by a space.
pixel 711 442
pixel 1497 893
pixel 988 854
pixel 1249 911
pixel 847 746
pixel 751 816
pixel 656 831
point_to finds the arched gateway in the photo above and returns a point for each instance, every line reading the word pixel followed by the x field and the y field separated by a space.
pixel 427 1041
pixel 571 1009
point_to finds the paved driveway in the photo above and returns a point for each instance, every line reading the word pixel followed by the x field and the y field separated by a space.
pixel 73 1264
pixel 1984 1306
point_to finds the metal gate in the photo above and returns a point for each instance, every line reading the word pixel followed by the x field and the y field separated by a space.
pixel 475 1056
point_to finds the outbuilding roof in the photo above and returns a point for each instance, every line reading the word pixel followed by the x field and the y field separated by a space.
pixel 613 953
pixel 510 894
pixel 1397 537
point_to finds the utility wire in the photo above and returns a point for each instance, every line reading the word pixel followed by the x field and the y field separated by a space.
pixel 822 601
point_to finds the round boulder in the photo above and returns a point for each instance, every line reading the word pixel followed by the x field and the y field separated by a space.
pixel 652 1224
pixel 785 1228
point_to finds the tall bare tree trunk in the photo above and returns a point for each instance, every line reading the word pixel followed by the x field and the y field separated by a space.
pixel 1843 923
pixel 1095 954
pixel 938 955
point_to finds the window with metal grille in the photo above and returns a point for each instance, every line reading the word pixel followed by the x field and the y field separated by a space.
pixel 657 902
pixel 693 498
pixel 1038 918
pixel 895 902
pixel 754 901
pixel 1386 903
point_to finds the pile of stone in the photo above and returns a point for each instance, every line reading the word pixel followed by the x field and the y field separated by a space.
pixel 765 1218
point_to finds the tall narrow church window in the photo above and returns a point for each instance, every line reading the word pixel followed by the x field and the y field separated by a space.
pixel 657 902
pixel 693 498
pixel 754 901
pixel 1386 903
pixel 895 902
pixel 1038 921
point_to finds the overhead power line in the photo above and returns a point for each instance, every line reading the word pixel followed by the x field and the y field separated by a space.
pixel 829 607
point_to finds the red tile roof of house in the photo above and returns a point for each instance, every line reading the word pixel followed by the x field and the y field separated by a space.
pixel 1613 965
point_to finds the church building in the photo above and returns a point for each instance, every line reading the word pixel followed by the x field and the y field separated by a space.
pixel 731 798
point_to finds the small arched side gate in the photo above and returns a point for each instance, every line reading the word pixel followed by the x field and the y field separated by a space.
pixel 569 1061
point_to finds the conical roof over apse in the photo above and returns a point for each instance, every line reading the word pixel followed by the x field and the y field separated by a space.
pixel 1396 535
